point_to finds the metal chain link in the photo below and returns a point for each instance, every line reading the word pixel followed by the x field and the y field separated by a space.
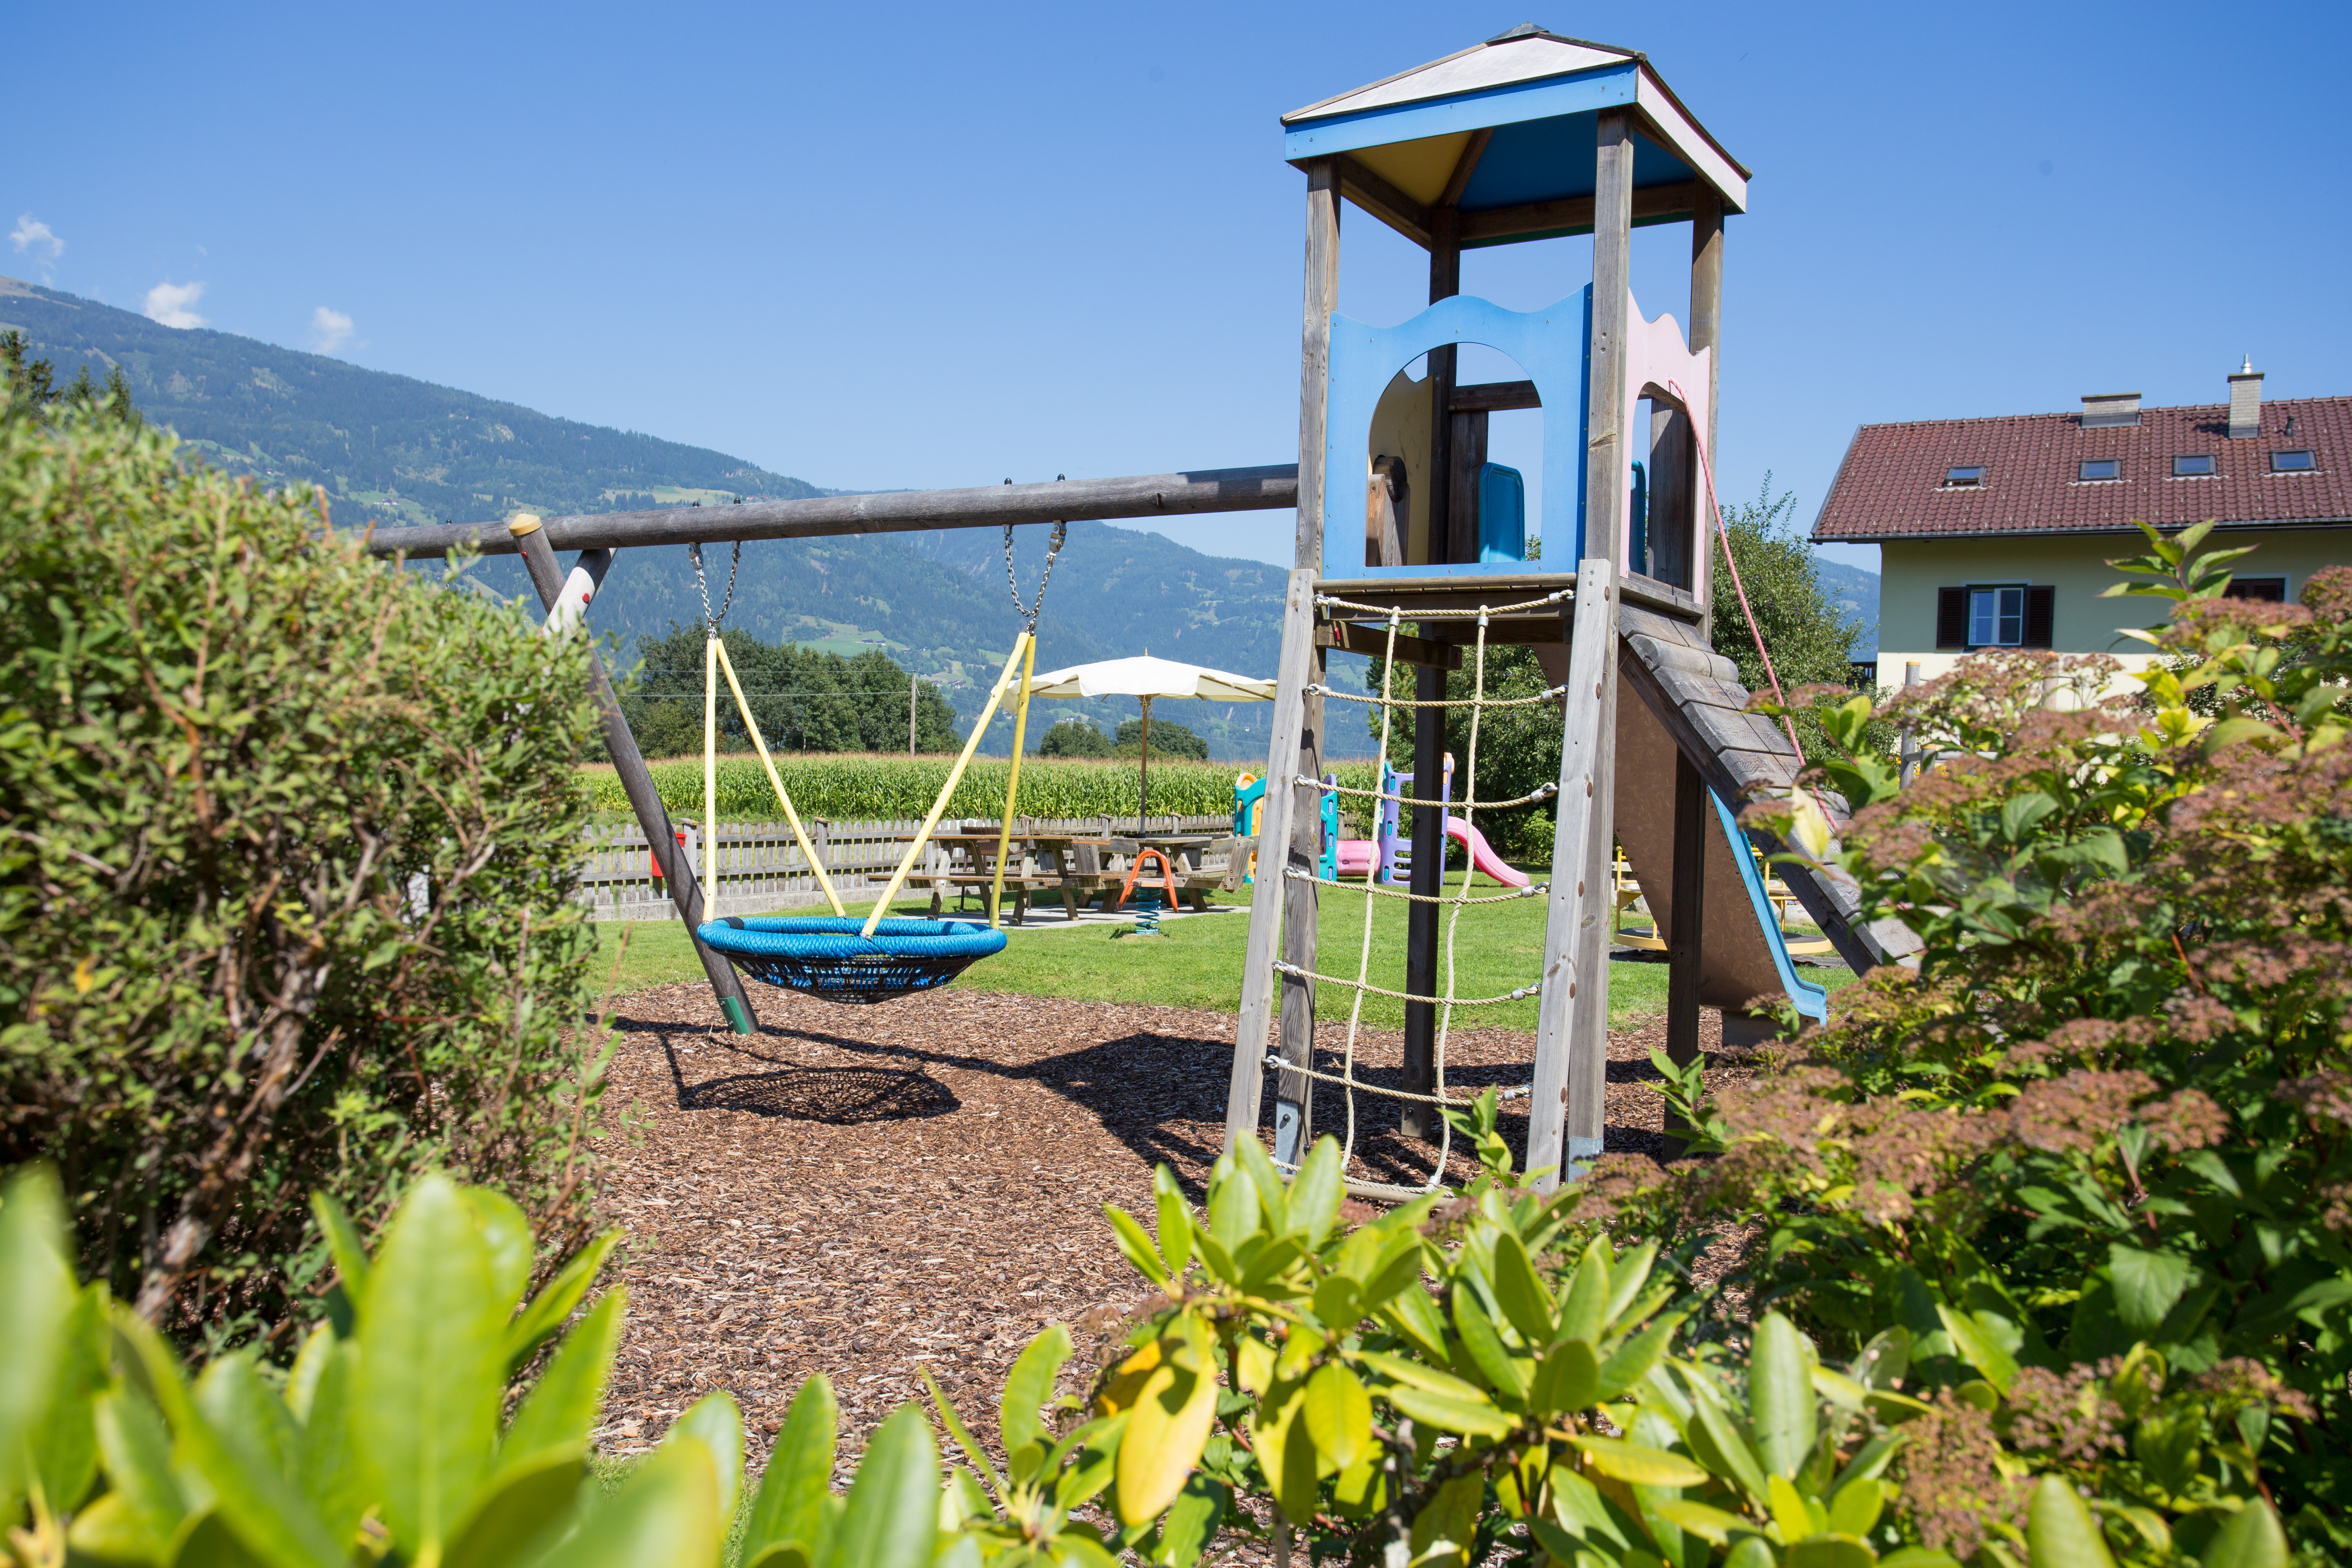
pixel 693 553
pixel 1029 613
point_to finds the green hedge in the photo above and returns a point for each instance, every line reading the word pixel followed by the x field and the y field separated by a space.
pixel 853 788
pixel 286 845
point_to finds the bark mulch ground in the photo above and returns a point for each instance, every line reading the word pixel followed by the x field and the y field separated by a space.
pixel 871 1191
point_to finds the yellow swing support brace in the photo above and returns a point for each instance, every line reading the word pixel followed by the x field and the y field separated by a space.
pixel 714 659
pixel 1024 649
pixel 1024 657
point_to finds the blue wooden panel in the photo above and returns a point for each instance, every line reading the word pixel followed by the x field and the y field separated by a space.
pixel 1586 92
pixel 1549 160
pixel 1551 347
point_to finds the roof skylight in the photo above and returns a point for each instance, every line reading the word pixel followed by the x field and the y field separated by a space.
pixel 1962 477
pixel 2096 469
pixel 2292 462
pixel 2189 466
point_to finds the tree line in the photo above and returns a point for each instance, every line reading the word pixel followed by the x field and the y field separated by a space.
pixel 803 699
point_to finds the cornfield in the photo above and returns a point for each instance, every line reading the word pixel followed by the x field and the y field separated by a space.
pixel 850 787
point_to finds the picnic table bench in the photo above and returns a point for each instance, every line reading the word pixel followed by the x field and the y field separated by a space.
pixel 1081 868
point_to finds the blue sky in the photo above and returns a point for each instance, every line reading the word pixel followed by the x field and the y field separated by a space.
pixel 920 245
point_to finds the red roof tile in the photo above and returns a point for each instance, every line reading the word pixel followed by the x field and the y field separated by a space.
pixel 1891 485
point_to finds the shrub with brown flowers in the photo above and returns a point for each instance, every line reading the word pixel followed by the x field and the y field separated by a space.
pixel 2095 1153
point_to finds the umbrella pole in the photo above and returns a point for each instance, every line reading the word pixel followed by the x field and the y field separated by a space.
pixel 1143 787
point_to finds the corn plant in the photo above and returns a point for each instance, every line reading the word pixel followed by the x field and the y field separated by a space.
pixel 851 789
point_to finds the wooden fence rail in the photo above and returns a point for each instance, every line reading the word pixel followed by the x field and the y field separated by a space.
pixel 761 867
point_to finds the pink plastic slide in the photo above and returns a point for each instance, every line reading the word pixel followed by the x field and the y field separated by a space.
pixel 1355 855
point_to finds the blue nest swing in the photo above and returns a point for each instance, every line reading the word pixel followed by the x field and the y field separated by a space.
pixel 825 956
pixel 839 958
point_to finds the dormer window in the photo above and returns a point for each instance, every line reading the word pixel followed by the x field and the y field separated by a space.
pixel 2292 462
pixel 2098 470
pixel 2193 466
pixel 1963 479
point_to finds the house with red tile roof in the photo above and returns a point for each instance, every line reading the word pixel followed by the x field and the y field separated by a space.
pixel 1996 532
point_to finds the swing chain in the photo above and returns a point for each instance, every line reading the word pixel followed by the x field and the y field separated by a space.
pixel 1029 613
pixel 711 622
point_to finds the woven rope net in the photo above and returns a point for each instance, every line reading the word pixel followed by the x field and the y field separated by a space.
pixel 1455 900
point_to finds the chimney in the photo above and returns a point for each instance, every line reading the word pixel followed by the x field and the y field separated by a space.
pixel 2246 402
pixel 2104 409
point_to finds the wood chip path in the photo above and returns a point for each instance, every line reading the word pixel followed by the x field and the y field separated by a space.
pixel 869 1192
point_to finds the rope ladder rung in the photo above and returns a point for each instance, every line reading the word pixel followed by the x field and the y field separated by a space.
pixel 1524 992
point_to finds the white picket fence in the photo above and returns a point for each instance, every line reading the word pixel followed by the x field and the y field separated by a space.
pixel 761 867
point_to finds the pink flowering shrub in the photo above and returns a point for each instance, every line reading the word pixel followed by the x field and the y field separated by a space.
pixel 2093 1154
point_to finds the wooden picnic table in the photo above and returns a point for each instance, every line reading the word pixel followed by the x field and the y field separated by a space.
pixel 1079 867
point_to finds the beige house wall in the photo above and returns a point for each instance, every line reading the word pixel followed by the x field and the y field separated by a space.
pixel 1910 570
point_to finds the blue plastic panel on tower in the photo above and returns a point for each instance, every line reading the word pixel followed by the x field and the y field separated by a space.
pixel 1502 514
pixel 1813 1001
pixel 1550 345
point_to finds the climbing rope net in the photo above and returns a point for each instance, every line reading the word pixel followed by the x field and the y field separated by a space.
pixel 1454 902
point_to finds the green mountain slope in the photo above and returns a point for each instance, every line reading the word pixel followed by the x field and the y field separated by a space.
pixel 389 448
pixel 392 450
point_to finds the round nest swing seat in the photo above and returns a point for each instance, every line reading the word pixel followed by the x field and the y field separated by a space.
pixel 824 956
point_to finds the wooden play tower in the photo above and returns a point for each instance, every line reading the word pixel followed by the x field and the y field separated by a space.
pixel 1528 136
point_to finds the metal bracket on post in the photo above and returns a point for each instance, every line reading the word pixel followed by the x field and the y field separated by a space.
pixel 1247 1086
pixel 1573 1012
pixel 677 868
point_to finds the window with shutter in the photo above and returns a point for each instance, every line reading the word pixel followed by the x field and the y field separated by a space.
pixel 2041 615
pixel 1951 617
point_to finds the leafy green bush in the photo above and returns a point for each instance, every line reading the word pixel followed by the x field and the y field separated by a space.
pixel 1423 1388
pixel 1506 1415
pixel 2095 1153
pixel 1168 740
pixel 1075 736
pixel 287 840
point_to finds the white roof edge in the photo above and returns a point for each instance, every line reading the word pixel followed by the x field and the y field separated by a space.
pixel 1321 104
pixel 1685 139
pixel 1330 105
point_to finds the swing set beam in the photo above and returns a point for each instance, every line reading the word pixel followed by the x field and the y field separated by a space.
pixel 902 511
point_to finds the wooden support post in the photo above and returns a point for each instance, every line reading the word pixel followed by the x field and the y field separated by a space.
pixel 1706 332
pixel 637 783
pixel 1445 282
pixel 1564 1118
pixel 1428 823
pixel 1423 921
pixel 1605 437
pixel 1468 442
pixel 894 511
pixel 1303 759
pixel 1314 356
pixel 1259 980
pixel 1693 819
pixel 1294 1122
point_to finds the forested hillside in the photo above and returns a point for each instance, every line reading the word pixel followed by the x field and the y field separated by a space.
pixel 388 448
pixel 392 450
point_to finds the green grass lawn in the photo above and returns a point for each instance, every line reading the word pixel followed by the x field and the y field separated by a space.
pixel 1197 962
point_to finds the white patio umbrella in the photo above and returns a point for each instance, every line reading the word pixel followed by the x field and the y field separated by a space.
pixel 1145 677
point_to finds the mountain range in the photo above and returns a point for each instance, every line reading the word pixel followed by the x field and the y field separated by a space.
pixel 391 450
